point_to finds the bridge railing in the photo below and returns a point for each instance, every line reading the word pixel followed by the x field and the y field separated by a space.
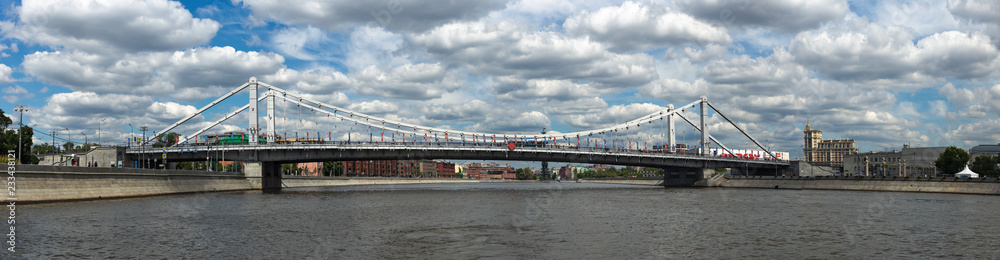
pixel 468 145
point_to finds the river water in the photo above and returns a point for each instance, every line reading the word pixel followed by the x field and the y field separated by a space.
pixel 516 221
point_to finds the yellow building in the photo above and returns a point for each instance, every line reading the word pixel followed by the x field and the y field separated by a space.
pixel 821 152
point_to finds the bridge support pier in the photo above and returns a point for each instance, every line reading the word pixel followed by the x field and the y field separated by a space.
pixel 686 177
pixel 263 175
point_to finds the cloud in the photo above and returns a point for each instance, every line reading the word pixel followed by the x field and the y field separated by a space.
pixel 341 15
pixel 886 57
pixel 975 102
pixel 191 75
pixel 314 81
pixel 788 16
pixel 776 74
pixel 374 107
pixel 984 11
pixel 510 49
pixel 410 81
pixel 309 43
pixel 110 26
pixel 513 89
pixel 971 134
pixel 80 111
pixel 510 122
pixel 15 93
pixel 471 111
pixel 615 114
pixel 635 26
pixel 6 75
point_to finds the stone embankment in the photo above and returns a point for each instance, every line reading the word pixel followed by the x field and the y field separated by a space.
pixel 986 186
pixel 37 183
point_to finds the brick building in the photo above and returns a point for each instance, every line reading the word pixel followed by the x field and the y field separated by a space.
pixel 381 168
pixel 446 169
pixel 490 171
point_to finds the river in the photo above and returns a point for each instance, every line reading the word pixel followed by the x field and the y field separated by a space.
pixel 516 221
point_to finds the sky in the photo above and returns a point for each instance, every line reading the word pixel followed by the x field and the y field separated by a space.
pixel 885 73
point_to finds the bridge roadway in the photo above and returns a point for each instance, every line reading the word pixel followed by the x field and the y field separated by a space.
pixel 292 153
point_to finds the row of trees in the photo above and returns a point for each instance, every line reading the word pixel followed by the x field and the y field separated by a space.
pixel 10 139
pixel 954 159
pixel 618 173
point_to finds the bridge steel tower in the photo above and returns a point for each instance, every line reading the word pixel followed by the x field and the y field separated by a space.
pixel 671 140
pixel 253 115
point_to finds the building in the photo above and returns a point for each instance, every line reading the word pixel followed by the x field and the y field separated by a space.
pixel 984 149
pixel 819 152
pixel 446 169
pixel 101 156
pixel 311 168
pixel 381 168
pixel 906 162
pixel 427 168
pixel 489 171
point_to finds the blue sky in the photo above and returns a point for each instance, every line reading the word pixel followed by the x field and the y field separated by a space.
pixel 882 72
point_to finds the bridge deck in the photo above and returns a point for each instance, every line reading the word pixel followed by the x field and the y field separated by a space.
pixel 368 151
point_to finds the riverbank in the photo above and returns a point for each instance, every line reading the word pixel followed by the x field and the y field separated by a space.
pixel 630 181
pixel 984 186
pixel 307 181
pixel 39 183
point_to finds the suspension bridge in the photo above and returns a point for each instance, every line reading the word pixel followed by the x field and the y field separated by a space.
pixel 648 141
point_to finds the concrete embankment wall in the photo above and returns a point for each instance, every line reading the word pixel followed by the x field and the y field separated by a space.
pixel 649 182
pixel 36 183
pixel 297 181
pixel 988 186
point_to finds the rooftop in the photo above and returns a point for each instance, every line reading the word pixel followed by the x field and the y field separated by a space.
pixel 985 148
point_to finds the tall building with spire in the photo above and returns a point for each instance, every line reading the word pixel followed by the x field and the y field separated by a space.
pixel 825 152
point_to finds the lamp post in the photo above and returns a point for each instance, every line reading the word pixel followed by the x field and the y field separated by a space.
pixel 131 133
pixel 20 122
pixel 142 145
pixel 69 139
pixel 85 140
pixel 99 131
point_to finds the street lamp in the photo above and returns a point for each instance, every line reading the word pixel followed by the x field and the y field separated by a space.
pixel 131 133
pixel 20 122
pixel 85 140
pixel 69 139
pixel 99 131
pixel 142 145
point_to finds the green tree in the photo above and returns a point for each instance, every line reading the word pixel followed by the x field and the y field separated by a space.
pixel 68 146
pixel 336 168
pixel 987 165
pixel 43 148
pixel 9 139
pixel 524 174
pixel 952 160
pixel 166 141
pixel 291 169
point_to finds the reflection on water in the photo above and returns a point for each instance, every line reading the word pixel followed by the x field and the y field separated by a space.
pixel 516 220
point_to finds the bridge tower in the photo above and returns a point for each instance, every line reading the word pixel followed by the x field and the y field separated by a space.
pixel 270 117
pixel 671 140
pixel 704 128
pixel 253 109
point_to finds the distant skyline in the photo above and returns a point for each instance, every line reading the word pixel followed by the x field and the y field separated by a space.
pixel 886 73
